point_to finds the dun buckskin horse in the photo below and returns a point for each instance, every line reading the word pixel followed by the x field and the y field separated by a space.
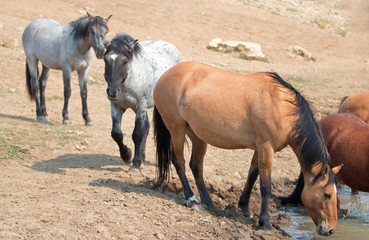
pixel 357 104
pixel 68 48
pixel 227 110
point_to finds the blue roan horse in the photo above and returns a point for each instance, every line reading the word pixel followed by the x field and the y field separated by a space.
pixel 67 48
pixel 131 71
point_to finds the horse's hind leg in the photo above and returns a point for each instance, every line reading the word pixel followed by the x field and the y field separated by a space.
pixel 42 84
pixel 116 132
pixel 178 139
pixel 32 83
pixel 82 79
pixel 139 136
pixel 251 178
pixel 196 164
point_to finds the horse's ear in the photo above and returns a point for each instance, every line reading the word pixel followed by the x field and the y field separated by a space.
pixel 336 169
pixel 106 43
pixel 90 17
pixel 107 18
pixel 132 44
pixel 325 170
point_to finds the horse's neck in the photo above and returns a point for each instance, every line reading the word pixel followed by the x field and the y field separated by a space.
pixel 81 45
pixel 310 174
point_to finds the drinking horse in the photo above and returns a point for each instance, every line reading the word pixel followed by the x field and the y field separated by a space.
pixel 347 140
pixel 68 48
pixel 358 105
pixel 259 111
pixel 131 71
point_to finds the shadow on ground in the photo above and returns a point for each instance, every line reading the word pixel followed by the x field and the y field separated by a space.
pixel 90 161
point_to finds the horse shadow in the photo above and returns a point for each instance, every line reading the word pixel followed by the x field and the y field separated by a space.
pixel 89 161
pixel 3 115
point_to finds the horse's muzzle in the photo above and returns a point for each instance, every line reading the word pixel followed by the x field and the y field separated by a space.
pixel 321 230
pixel 99 52
pixel 112 96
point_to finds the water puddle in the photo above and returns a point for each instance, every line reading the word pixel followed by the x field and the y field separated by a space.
pixel 353 224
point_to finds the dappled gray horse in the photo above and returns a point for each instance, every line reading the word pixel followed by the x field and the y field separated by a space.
pixel 68 48
pixel 131 71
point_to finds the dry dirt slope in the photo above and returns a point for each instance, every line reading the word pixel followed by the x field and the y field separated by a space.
pixel 68 182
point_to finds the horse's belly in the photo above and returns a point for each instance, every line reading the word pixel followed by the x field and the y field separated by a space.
pixel 354 155
pixel 223 132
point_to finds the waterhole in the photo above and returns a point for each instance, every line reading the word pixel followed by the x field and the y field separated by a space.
pixel 353 222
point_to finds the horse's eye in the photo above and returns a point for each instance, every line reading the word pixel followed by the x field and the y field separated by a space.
pixel 327 195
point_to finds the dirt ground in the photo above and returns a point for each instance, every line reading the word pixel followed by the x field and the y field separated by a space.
pixel 68 182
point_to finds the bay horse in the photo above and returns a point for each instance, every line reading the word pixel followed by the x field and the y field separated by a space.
pixel 357 104
pixel 259 111
pixel 131 72
pixel 347 140
pixel 68 48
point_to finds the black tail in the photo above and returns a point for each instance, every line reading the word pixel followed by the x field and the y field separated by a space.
pixel 31 93
pixel 163 147
pixel 295 197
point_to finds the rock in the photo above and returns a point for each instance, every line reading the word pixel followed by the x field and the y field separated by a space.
pixel 299 51
pixel 215 43
pixel 244 50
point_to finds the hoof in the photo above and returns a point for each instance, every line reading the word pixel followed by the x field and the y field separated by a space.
pixel 266 226
pixel 40 118
pixel 66 122
pixel 126 157
pixel 197 206
pixel 89 124
pixel 133 169
pixel 193 203
pixel 247 213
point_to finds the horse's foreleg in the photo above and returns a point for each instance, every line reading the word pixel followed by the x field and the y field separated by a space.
pixel 139 136
pixel 67 93
pixel 265 161
pixel 251 178
pixel 116 132
pixel 196 164
pixel 42 84
pixel 82 79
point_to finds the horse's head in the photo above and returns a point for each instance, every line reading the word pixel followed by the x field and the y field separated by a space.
pixel 117 57
pixel 320 199
pixel 98 30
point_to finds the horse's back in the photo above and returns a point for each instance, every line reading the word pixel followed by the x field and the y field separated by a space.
pixel 347 139
pixel 357 104
pixel 42 39
pixel 225 109
pixel 163 52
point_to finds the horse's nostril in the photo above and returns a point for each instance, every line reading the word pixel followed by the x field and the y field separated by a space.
pixel 331 231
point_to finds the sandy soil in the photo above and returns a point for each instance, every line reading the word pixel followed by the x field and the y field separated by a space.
pixel 68 182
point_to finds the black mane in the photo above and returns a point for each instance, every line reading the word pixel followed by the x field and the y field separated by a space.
pixel 81 26
pixel 122 44
pixel 306 131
